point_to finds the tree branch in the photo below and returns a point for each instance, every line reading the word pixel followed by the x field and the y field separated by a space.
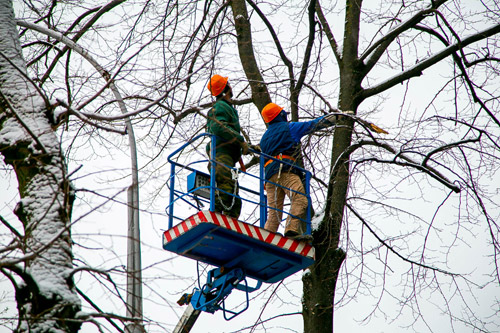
pixel 11 228
pixel 448 146
pixel 260 94
pixel 459 61
pixel 104 9
pixel 71 27
pixel 276 40
pixel 379 47
pixel 33 254
pixel 417 69
pixel 392 249
pixel 328 32
pixel 409 162
pixel 83 117
pixel 305 65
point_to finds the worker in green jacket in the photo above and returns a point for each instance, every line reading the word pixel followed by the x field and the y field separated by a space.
pixel 224 123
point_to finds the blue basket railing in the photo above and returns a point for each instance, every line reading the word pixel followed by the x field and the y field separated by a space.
pixel 176 194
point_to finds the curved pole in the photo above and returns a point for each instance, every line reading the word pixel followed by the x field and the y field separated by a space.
pixel 134 270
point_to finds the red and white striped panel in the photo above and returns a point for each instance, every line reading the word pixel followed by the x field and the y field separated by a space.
pixel 302 248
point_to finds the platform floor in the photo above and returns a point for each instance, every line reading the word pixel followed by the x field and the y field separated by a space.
pixel 223 241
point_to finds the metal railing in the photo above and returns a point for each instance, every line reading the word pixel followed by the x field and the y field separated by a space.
pixel 176 194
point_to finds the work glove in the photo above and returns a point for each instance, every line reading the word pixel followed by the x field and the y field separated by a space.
pixel 256 148
pixel 333 118
pixel 245 148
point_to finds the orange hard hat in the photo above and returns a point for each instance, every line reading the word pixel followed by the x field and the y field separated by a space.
pixel 217 84
pixel 270 111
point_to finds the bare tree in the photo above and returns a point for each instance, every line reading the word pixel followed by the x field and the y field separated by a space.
pixel 392 35
pixel 394 211
pixel 66 61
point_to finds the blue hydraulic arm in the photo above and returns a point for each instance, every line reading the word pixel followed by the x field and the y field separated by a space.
pixel 220 283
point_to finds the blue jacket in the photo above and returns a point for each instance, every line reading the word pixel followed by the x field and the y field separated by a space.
pixel 284 137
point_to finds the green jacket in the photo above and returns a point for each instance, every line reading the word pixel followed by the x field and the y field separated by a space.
pixel 223 121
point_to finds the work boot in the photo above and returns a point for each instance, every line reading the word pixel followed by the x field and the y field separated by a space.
pixel 298 237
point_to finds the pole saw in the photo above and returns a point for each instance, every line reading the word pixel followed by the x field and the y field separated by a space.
pixel 334 116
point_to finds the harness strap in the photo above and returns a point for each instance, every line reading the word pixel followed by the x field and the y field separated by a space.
pixel 280 157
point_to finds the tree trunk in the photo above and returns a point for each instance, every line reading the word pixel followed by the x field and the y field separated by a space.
pixel 260 94
pixel 46 299
pixel 320 282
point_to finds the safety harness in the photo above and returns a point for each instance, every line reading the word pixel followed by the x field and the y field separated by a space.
pixel 280 157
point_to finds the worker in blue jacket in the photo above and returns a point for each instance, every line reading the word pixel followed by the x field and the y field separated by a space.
pixel 282 141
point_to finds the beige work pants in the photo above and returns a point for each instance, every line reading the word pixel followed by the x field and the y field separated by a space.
pixel 276 197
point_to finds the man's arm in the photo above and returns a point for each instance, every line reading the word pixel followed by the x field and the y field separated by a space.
pixel 218 120
pixel 299 129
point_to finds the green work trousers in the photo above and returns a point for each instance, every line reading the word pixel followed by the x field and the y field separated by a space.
pixel 225 203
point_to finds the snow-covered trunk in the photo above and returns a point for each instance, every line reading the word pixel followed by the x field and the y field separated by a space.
pixel 47 300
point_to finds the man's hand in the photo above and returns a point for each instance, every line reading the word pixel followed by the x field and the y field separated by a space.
pixel 245 148
pixel 256 148
pixel 334 118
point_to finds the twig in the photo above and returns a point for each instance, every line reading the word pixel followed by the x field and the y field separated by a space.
pixel 392 249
